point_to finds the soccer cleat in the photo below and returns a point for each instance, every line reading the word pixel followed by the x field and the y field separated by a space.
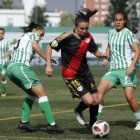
pixel 80 118
pixel 3 94
pixel 54 129
pixel 26 126
pixel 137 126
pixel 89 126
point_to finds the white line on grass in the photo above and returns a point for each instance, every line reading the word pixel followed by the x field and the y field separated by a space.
pixel 60 112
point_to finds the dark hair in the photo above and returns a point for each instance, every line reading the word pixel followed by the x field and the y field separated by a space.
pixel 32 26
pixel 123 14
pixel 133 29
pixel 84 15
pixel 2 29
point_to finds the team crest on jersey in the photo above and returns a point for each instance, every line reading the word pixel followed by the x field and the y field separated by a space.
pixel 87 40
pixel 80 88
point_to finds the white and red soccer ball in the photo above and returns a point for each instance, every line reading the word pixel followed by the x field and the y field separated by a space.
pixel 100 128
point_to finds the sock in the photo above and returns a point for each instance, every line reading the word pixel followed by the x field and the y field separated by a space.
pixel 81 107
pixel 137 115
pixel 27 107
pixel 46 109
pixel 4 86
pixel 99 111
pixel 93 110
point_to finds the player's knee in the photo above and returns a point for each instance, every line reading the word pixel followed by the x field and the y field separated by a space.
pixel 89 102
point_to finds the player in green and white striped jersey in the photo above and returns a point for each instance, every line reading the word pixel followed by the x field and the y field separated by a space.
pixel 21 73
pixel 4 47
pixel 121 44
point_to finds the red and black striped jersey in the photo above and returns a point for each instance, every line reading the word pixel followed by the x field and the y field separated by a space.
pixel 73 53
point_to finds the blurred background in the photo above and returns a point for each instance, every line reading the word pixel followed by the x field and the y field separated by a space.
pixel 58 16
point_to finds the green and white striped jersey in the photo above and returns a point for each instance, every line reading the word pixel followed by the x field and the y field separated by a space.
pixel 120 50
pixel 23 52
pixel 4 48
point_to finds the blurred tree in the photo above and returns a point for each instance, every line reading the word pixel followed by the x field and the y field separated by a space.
pixel 67 19
pixel 37 15
pixel 6 4
pixel 127 6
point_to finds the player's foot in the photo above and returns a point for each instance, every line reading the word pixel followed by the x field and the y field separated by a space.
pixel 26 126
pixel 80 117
pixel 3 94
pixel 89 126
pixel 137 126
pixel 54 129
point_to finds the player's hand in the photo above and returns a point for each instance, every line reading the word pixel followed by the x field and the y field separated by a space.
pixel 49 71
pixel 105 62
pixel 130 70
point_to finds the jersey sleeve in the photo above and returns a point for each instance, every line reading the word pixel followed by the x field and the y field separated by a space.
pixel 92 46
pixel 131 38
pixel 59 42
pixel 34 37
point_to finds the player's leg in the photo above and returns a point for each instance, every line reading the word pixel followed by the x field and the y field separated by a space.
pixel 25 77
pixel 129 84
pixel 26 111
pixel 107 82
pixel 130 96
pixel 3 82
pixel 78 113
pixel 43 101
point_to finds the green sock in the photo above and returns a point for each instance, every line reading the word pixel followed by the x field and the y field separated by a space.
pixel 26 109
pixel 98 116
pixel 100 109
pixel 46 109
pixel 4 86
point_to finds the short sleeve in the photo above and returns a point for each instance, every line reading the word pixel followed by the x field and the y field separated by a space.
pixel 34 37
pixel 93 47
pixel 131 38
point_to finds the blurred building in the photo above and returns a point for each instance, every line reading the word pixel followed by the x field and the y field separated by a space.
pixel 20 16
pixel 12 17
pixel 103 10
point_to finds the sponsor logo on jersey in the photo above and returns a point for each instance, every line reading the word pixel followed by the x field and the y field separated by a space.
pixel 87 40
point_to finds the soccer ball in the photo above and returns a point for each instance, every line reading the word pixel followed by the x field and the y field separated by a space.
pixel 100 128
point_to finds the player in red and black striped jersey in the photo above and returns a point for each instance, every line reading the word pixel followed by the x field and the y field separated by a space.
pixel 74 46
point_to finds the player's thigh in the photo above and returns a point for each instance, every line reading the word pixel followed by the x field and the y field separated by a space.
pixel 108 81
pixel 89 83
pixel 23 76
pixel 127 81
pixel 76 87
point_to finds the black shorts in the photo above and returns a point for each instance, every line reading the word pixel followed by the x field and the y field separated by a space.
pixel 79 86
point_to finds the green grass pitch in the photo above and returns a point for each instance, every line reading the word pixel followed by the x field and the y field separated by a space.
pixel 116 112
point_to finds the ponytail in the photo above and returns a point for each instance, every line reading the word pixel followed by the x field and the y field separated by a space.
pixel 31 26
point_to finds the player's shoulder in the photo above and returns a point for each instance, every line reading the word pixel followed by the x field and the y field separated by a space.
pixel 5 41
pixel 32 36
pixel 64 35
pixel 112 30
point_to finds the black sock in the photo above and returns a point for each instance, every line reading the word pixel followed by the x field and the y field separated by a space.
pixel 81 107
pixel 93 111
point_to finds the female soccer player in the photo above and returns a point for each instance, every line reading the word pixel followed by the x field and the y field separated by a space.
pixel 21 73
pixel 4 47
pixel 74 46
pixel 121 42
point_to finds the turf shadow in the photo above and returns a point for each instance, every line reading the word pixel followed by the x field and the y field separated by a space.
pixel 129 124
